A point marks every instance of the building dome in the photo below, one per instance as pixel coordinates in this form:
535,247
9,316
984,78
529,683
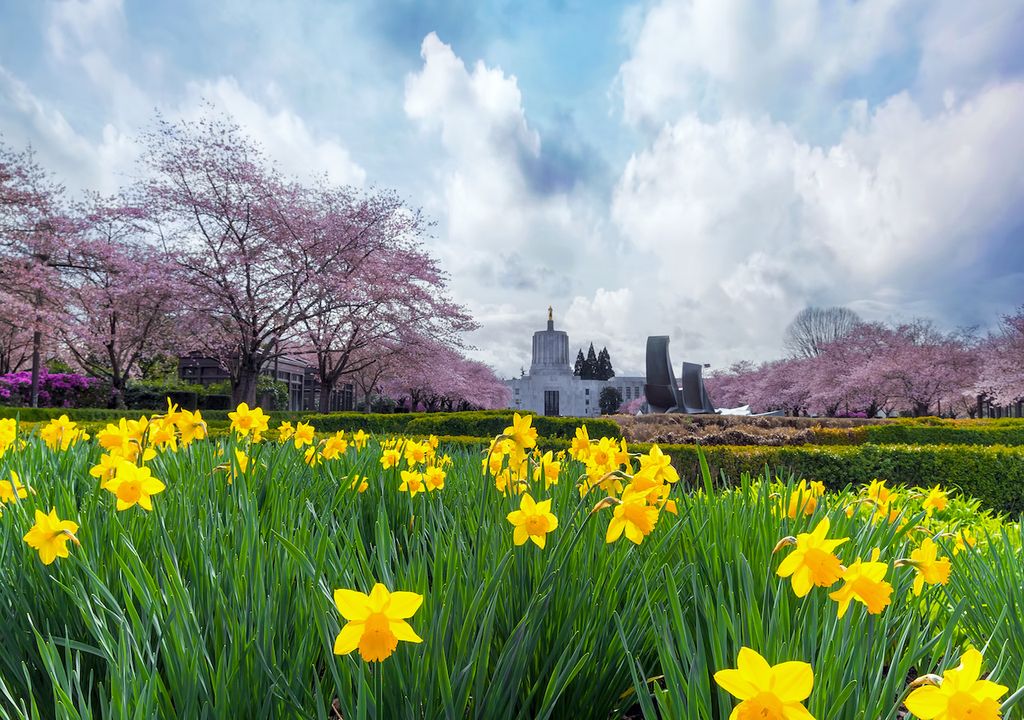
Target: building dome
550,350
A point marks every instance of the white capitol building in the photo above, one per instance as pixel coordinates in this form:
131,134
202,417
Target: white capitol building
550,388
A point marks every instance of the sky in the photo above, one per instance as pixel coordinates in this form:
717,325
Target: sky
697,168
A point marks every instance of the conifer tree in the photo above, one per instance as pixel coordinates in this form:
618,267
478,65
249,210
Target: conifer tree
580,364
590,365
604,366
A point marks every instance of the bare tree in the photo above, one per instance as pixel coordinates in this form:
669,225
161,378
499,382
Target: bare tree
813,328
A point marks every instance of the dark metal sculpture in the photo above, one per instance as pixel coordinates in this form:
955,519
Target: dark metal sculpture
663,394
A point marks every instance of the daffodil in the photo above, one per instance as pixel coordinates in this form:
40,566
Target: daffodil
963,540
390,458
359,439
245,421
521,431
191,426
50,536
376,622
285,431
937,499
412,482
579,449
802,501
11,489
61,433
532,521
632,516
359,484
8,434
864,581
335,446
958,695
433,477
133,485
767,692
416,453
813,561
930,568
659,465
303,435
548,468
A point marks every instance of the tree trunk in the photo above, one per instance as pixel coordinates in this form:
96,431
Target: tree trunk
325,397
37,342
244,388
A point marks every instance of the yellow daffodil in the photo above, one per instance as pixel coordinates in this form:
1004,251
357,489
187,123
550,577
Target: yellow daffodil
548,468
303,435
390,458
359,484
285,431
8,434
958,695
133,485
412,482
813,561
191,426
864,581
311,456
376,622
801,501
767,692
50,536
633,516
359,439
521,431
930,568
416,453
106,467
335,446
245,421
580,447
433,477
937,500
11,489
659,465
963,540
61,433
532,521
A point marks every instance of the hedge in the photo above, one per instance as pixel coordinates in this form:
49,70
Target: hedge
480,424
992,474
977,433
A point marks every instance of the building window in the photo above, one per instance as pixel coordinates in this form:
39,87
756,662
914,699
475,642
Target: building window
517,391
588,391
629,393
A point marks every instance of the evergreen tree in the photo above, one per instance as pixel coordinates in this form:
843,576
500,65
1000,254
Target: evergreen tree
610,400
590,365
580,364
604,366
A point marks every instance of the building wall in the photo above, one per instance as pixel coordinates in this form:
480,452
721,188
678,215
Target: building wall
576,397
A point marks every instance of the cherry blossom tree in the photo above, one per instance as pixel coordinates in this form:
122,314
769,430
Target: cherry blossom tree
435,377
397,291
1002,371
122,294
33,246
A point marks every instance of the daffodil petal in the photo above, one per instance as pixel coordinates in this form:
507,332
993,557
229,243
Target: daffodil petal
927,702
733,682
403,631
352,604
348,638
792,681
404,605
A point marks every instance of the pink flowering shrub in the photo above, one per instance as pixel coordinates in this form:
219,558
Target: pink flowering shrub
55,389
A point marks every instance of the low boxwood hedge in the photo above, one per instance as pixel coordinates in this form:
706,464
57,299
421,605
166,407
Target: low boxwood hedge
992,474
976,433
483,423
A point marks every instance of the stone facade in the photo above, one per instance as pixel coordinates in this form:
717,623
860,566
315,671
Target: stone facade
550,388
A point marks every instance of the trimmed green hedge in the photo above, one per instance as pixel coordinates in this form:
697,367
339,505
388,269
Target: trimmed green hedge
977,433
479,424
992,474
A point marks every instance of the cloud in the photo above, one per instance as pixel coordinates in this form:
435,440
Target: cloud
749,223
736,55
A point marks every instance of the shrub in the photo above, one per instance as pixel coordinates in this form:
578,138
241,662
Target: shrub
55,389
481,424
